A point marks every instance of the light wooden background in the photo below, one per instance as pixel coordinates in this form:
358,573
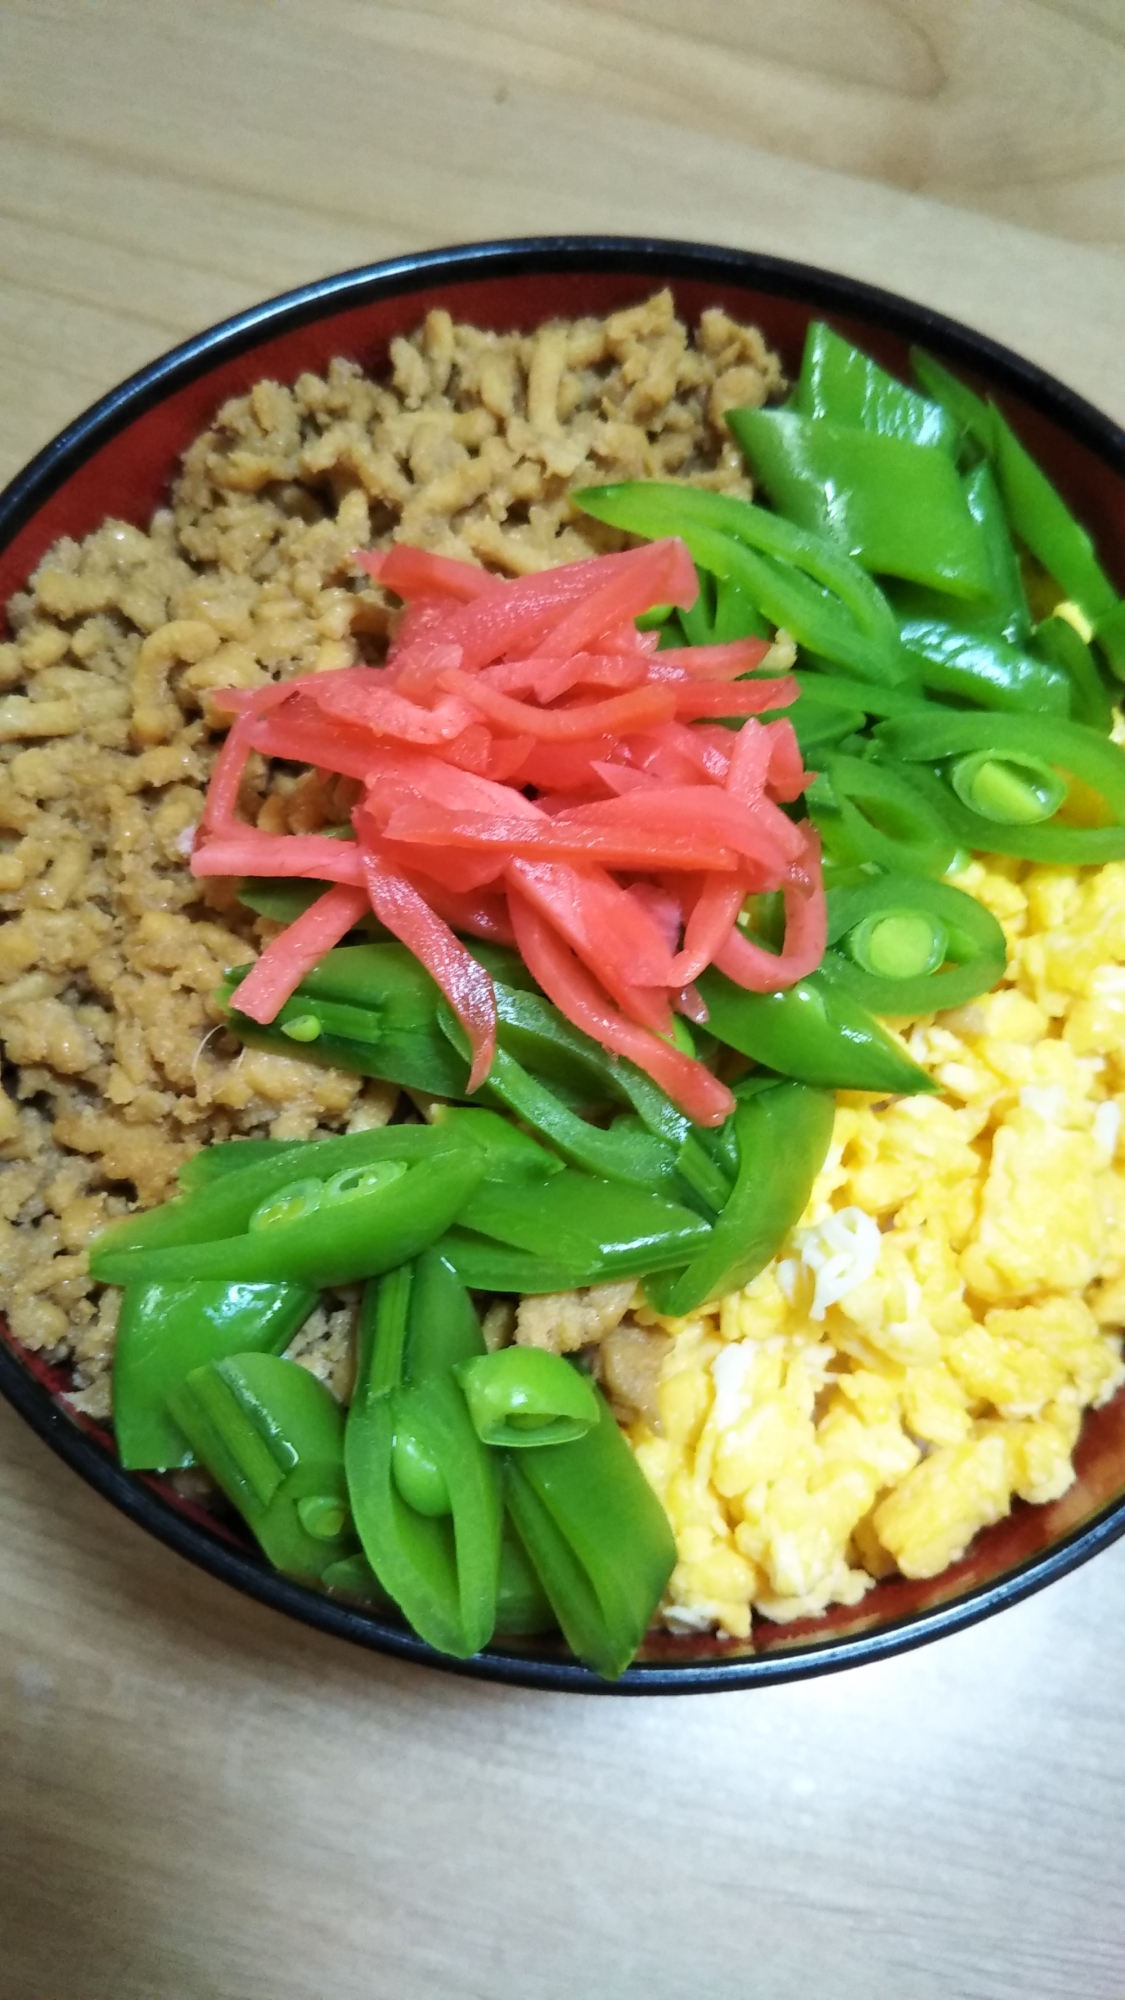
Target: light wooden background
199,1801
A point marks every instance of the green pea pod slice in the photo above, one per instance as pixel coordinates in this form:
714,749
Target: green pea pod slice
1042,519
812,1032
649,507
1067,746
895,507
985,669
223,1205
1090,700
783,1134
909,831
485,1265
612,1228
976,945
334,1245
442,1570
272,1436
840,382
525,1398
164,1332
968,410
522,1605
1007,598
597,1537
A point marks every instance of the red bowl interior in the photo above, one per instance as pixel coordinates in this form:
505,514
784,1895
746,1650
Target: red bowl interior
128,475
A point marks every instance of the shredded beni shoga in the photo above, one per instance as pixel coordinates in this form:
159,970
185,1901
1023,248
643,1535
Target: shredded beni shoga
533,771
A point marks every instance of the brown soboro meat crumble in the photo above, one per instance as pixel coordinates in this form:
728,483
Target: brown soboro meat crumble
116,1066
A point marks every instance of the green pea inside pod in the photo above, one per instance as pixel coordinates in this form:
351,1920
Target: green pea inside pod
898,944
1013,789
292,1203
417,1474
523,1396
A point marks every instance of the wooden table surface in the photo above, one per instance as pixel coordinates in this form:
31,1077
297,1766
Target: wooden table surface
198,1800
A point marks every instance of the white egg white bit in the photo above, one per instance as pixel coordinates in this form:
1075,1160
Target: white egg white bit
689,1618
1048,1101
841,1252
729,1370
1107,1127
185,841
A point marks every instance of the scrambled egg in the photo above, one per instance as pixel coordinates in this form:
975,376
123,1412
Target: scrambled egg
922,1348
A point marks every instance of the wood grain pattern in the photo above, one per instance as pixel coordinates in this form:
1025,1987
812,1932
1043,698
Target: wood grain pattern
197,1800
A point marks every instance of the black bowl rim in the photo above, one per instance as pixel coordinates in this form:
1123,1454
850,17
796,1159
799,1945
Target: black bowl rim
827,291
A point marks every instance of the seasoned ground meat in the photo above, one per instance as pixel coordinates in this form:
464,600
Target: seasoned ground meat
117,1067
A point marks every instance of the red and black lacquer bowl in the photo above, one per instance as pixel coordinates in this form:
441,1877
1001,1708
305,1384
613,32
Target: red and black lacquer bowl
119,459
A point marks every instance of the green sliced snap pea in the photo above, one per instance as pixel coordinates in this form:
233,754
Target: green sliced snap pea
798,580
334,1243
895,507
164,1332
967,409
409,1440
272,1436
985,669
1006,599
484,1265
597,1537
868,811
1057,639
1065,746
522,1605
664,508
1015,790
840,382
1042,519
783,1134
525,1398
606,1228
812,1032
974,944
223,1205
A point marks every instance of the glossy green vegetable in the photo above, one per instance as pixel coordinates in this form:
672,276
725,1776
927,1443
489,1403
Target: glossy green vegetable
603,1229
898,944
272,1436
974,944
222,1202
1006,600
1057,640
376,1013
985,669
424,1490
812,1032
332,1242
868,811
967,409
1035,509
839,382
1041,519
164,1332
524,1397
1016,790
522,1604
485,1265
800,580
1064,746
897,508
597,1537
782,1134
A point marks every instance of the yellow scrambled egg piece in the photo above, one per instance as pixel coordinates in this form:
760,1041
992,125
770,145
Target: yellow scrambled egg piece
922,1348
